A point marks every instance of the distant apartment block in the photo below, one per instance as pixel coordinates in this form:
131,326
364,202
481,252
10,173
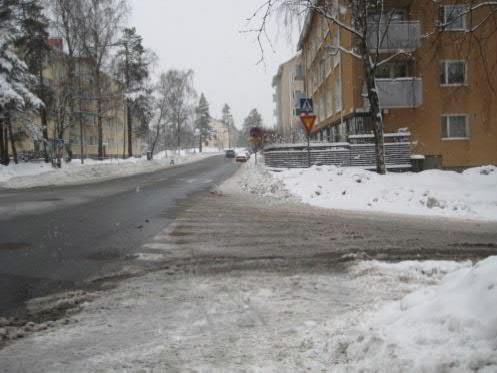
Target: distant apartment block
288,86
80,127
220,136
443,88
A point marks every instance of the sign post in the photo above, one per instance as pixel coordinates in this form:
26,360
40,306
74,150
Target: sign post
308,121
256,139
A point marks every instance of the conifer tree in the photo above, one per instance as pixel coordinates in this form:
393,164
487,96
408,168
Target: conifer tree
203,119
16,82
133,69
33,46
228,122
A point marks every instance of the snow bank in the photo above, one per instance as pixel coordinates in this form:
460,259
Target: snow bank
471,194
28,175
451,326
256,179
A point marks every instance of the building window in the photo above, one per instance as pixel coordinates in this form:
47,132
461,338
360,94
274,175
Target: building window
330,101
336,43
453,72
453,17
338,96
324,111
455,126
388,16
322,68
392,70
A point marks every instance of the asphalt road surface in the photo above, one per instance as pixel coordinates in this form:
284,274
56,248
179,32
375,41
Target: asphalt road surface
53,239
238,282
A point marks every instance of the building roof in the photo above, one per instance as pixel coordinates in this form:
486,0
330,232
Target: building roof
282,66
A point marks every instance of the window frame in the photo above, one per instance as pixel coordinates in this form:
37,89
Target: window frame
447,27
450,115
338,96
445,70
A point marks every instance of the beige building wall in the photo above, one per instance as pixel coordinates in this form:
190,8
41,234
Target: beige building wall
288,86
114,125
219,137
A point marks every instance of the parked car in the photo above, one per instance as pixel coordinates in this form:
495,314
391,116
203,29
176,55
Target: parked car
242,157
230,153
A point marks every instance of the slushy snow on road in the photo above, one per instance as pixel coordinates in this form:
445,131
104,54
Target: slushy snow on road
420,316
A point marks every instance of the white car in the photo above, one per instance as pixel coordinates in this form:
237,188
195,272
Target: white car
242,156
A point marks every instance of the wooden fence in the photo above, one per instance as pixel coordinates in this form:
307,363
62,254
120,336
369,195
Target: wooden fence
359,151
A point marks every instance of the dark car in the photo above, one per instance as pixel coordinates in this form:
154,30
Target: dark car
230,153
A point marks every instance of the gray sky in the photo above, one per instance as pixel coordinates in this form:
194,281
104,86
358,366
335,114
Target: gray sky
204,36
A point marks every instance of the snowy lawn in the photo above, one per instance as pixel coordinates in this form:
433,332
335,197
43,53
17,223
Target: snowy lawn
431,316
28,175
471,194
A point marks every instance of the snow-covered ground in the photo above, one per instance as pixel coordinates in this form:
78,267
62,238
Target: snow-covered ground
28,175
448,327
374,317
471,194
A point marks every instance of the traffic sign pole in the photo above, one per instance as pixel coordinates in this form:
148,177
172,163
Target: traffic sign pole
308,150
308,121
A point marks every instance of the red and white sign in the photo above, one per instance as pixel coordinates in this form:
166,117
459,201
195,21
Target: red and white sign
308,121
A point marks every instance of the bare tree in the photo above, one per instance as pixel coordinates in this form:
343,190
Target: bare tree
161,119
180,100
99,24
67,105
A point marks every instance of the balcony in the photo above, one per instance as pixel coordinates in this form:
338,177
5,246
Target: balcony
400,92
394,36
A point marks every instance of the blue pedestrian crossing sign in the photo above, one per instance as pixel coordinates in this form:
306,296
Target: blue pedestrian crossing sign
306,105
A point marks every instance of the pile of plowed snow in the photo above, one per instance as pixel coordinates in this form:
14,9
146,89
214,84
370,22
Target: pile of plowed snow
470,194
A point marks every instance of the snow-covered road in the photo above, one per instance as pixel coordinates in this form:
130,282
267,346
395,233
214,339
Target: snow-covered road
240,282
255,321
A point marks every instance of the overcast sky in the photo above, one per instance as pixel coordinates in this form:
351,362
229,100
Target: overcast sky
205,36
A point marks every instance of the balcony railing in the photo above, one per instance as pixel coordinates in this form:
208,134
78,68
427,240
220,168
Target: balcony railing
394,36
400,92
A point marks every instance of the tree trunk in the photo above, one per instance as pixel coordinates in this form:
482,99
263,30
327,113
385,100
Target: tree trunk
6,155
130,128
179,138
165,140
43,115
99,115
374,110
44,131
2,144
124,139
12,140
200,143
155,141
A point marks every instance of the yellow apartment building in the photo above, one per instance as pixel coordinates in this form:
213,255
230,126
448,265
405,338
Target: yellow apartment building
443,89
114,115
